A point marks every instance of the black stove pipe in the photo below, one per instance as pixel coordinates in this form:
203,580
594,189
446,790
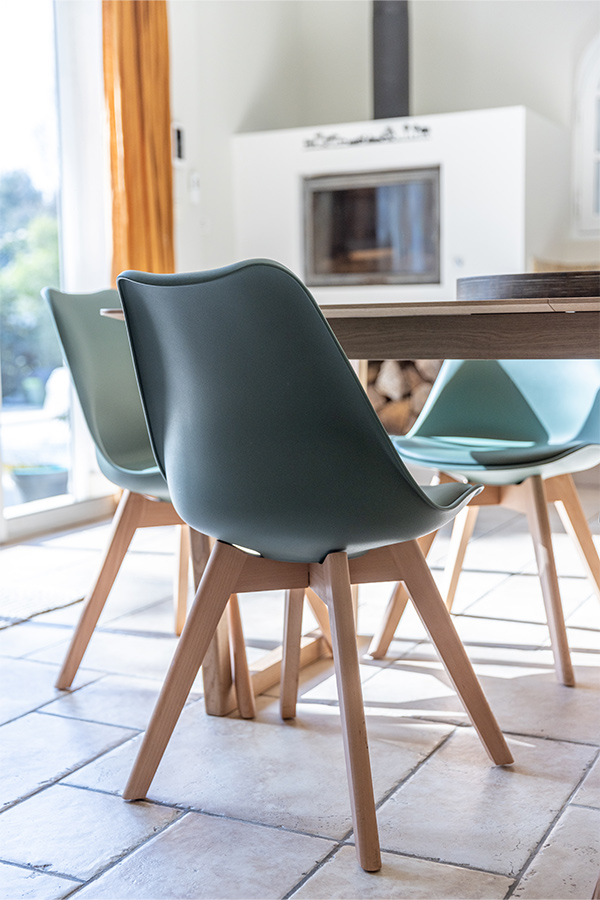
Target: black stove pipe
390,59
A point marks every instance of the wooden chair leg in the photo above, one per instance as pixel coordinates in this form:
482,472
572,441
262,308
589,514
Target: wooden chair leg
217,673
217,584
321,615
241,671
439,625
290,667
462,530
395,608
539,525
332,581
124,524
180,582
563,492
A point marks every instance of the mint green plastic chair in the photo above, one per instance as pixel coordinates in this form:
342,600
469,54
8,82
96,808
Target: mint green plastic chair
522,428
268,442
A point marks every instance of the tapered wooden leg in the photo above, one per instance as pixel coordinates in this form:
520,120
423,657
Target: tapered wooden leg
438,622
563,492
321,615
124,524
395,608
241,672
217,674
290,668
539,525
180,582
462,530
218,583
331,580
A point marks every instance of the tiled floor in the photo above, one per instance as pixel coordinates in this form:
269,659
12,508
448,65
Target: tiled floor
259,809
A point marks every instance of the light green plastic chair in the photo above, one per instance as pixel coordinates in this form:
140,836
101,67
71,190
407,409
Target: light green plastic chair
522,428
268,442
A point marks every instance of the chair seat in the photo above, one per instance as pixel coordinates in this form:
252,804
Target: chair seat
144,480
497,461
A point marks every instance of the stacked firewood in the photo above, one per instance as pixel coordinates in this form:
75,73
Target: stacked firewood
398,390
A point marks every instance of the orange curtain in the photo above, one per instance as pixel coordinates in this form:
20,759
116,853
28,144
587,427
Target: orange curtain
136,86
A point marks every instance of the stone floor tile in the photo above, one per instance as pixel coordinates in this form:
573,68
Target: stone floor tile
341,878
509,549
38,749
27,637
114,700
481,631
325,691
143,579
589,792
121,654
585,639
568,864
28,685
519,599
568,560
524,699
540,658
289,774
58,830
414,689
472,813
24,884
587,615
209,858
477,630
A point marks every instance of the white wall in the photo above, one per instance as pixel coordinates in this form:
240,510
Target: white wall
473,54
234,67
253,65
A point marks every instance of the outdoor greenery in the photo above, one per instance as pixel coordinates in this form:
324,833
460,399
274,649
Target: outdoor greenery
28,261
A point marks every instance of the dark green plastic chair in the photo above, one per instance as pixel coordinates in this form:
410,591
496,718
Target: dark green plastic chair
521,427
268,442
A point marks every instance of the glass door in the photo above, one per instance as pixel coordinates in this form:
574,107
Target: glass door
35,442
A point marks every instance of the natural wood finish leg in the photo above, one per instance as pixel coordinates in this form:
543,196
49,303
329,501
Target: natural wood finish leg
217,673
395,608
180,582
439,625
563,492
290,668
332,582
241,672
218,583
124,524
462,530
539,525
321,614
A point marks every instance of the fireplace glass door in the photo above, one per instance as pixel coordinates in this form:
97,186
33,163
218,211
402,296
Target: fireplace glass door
373,228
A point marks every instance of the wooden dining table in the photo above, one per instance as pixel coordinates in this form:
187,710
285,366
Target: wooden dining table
524,316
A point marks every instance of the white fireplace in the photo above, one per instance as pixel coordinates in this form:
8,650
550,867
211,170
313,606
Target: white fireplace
401,208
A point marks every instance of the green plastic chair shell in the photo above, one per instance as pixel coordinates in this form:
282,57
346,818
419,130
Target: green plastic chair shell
96,352
501,421
258,422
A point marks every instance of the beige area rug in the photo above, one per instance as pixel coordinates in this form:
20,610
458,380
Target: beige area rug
34,580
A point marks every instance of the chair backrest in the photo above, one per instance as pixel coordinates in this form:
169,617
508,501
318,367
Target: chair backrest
258,422
544,400
96,352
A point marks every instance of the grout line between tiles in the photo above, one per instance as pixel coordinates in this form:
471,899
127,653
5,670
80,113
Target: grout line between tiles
540,844
42,871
